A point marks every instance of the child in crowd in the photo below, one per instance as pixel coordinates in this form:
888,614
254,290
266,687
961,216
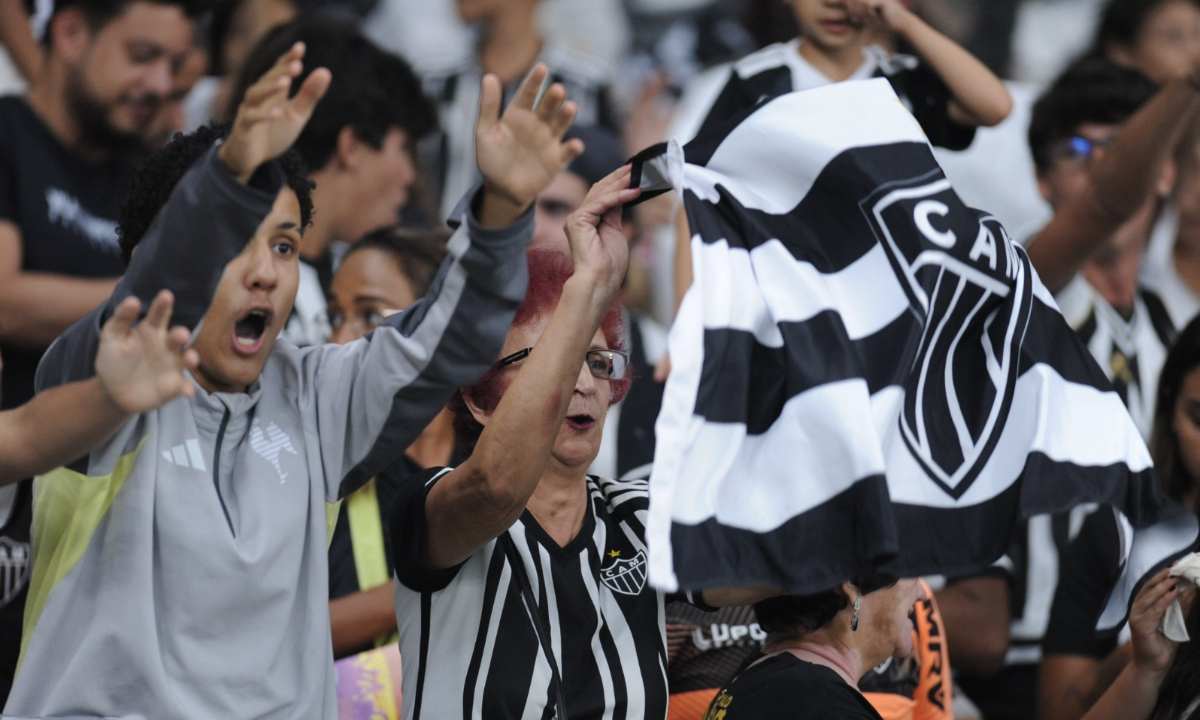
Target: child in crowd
948,90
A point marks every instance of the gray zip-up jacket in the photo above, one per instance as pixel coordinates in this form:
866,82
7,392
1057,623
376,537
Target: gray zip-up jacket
180,570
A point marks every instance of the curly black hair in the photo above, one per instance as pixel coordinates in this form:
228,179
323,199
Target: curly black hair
158,174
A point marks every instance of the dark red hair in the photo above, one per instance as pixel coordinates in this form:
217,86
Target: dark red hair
549,271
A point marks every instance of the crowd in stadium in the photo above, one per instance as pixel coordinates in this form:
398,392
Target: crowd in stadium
294,294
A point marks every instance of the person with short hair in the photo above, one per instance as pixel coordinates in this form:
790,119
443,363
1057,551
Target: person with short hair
1101,138
818,646
181,567
67,154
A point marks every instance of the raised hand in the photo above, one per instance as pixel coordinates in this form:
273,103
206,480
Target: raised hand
1152,650
599,247
268,121
890,14
141,367
520,151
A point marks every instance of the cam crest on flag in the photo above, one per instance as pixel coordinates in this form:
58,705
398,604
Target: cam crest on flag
868,375
955,267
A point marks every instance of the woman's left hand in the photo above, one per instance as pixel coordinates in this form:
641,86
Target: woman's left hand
598,244
1152,651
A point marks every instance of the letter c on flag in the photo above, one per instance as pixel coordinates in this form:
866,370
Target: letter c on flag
921,213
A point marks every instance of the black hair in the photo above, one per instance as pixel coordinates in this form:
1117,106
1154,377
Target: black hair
1093,90
372,90
795,615
1122,21
98,13
791,615
1182,359
419,254
158,175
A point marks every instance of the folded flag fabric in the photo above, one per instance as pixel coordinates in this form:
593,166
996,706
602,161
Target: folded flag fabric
867,375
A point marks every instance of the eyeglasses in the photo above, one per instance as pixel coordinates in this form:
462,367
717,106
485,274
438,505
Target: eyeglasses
1078,148
363,321
602,364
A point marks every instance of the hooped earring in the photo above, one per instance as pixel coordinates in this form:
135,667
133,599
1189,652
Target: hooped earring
854,618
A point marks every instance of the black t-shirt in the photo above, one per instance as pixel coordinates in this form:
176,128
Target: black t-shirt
65,209
784,687
16,561
1088,571
343,572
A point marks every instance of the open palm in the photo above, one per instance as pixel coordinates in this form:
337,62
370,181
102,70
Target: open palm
520,151
141,366
268,121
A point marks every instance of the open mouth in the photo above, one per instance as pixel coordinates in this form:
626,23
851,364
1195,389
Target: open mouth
580,422
250,331
837,27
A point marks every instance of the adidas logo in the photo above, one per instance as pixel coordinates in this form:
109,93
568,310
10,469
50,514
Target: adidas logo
269,444
186,454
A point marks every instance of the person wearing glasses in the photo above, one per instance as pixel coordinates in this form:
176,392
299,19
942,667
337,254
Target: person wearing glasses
1101,137
521,581
381,275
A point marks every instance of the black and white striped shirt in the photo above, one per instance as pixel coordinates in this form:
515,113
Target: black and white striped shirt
470,648
780,69
1131,351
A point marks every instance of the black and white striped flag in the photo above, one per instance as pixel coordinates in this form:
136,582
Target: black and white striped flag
867,374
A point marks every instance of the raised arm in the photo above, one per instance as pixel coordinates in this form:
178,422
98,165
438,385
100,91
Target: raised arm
479,500
382,390
208,218
138,368
1119,183
1133,694
16,36
977,95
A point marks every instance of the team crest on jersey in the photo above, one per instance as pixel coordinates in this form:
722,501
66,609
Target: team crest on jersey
624,575
14,568
970,288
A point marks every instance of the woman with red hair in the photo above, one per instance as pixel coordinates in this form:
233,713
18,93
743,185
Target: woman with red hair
521,581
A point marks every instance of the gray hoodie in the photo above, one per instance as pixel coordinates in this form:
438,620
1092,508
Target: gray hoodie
180,569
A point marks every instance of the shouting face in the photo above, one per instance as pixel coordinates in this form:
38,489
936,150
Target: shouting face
252,302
